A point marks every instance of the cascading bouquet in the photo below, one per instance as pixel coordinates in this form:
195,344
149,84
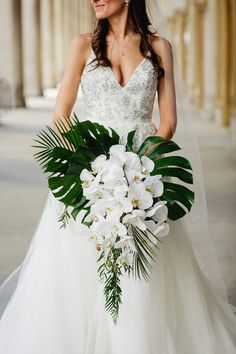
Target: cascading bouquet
125,197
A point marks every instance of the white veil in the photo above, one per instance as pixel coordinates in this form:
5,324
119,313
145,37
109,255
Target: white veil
196,221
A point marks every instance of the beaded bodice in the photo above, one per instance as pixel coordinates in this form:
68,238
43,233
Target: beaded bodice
122,108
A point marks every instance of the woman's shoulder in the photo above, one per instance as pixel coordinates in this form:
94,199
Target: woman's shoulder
161,46
80,47
82,39
160,43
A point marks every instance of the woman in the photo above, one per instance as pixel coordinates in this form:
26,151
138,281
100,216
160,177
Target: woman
58,306
121,38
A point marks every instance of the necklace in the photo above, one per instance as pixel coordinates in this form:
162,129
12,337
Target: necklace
122,51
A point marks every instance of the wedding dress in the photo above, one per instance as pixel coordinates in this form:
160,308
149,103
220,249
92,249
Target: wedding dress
58,304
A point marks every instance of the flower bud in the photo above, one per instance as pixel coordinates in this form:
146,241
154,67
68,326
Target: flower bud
98,247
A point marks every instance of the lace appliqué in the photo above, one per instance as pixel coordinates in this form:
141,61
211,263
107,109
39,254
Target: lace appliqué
121,108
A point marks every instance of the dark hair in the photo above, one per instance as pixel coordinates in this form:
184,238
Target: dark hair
141,24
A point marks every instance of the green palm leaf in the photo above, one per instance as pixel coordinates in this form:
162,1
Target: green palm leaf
65,155
145,253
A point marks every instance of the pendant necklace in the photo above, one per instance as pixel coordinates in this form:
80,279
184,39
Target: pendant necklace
122,51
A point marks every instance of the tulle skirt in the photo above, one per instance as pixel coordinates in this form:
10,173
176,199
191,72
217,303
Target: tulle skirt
58,304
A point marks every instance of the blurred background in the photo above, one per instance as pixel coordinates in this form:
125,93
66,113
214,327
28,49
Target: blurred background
34,39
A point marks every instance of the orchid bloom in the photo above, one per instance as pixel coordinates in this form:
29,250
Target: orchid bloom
140,197
154,185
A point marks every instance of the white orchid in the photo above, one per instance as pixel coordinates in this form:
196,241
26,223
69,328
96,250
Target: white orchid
160,229
140,197
95,192
106,244
118,153
133,161
159,214
147,165
107,233
118,187
98,163
92,187
122,204
158,211
133,168
126,242
126,258
128,250
154,185
106,228
136,219
111,171
87,178
111,208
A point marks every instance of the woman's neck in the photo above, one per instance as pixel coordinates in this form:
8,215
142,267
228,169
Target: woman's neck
120,26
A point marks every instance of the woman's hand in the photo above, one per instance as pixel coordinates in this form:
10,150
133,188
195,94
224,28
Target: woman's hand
160,132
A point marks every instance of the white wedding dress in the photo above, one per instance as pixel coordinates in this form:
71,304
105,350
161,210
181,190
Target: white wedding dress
58,304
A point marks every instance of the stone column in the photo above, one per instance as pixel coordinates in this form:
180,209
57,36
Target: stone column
209,59
58,52
10,47
233,66
223,63
70,22
198,54
180,30
31,47
47,40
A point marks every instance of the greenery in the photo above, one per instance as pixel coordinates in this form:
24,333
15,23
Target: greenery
64,156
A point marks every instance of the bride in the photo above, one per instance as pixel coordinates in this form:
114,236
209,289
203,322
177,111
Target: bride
58,304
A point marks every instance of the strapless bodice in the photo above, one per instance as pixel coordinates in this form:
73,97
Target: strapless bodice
122,108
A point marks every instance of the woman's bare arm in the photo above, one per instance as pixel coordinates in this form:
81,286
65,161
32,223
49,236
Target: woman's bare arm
166,91
69,86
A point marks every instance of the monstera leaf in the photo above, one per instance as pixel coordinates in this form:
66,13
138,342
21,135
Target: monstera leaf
179,198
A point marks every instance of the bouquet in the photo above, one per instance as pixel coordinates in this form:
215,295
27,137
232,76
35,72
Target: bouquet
126,197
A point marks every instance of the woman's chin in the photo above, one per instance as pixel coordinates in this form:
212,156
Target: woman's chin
100,17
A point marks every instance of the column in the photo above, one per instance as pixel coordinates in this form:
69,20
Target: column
58,52
223,63
233,66
198,54
70,22
10,47
47,40
180,31
31,47
209,59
